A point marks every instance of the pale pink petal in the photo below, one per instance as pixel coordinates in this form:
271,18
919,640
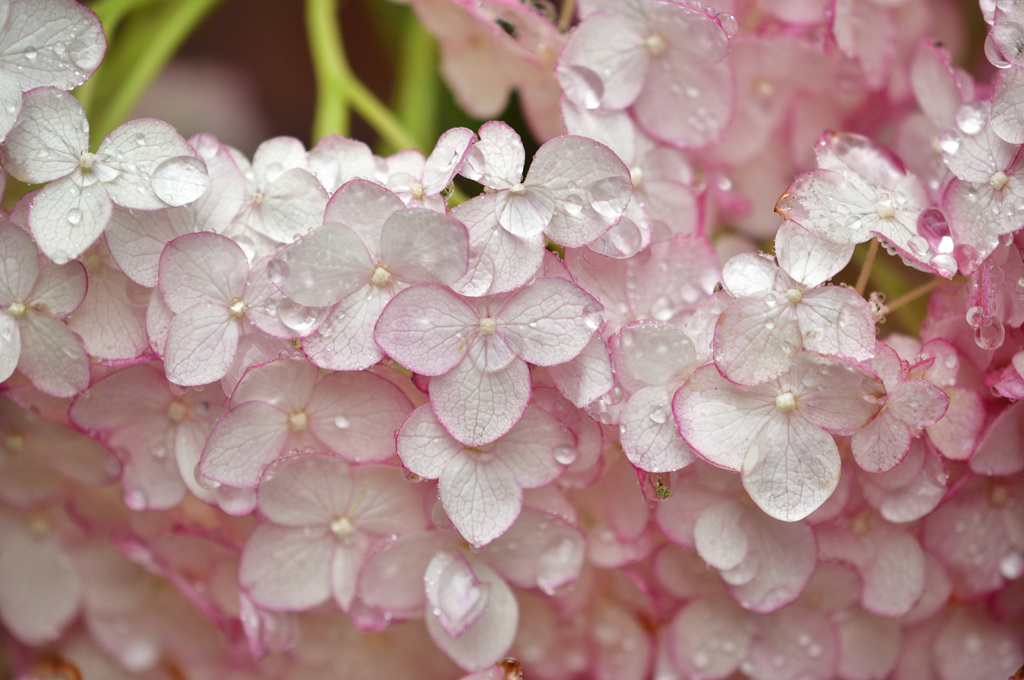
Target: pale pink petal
810,260
136,239
718,537
476,408
910,490
756,341
869,646
346,563
498,261
201,344
10,93
285,384
393,578
290,207
423,246
489,638
958,433
20,264
649,435
538,551
424,446
10,346
357,414
247,439
49,138
323,267
200,268
882,443
935,85
749,275
709,638
604,62
784,555
1001,450
111,324
305,491
790,468
844,398
654,353
425,328
71,33
802,638
835,320
385,503
496,160
66,217
52,357
550,322
535,448
286,569
480,495
1008,105
344,340
894,579
587,377
446,159
972,646
151,159
59,289
815,198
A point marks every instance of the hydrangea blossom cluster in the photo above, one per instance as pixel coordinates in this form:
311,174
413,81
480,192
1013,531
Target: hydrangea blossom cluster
307,415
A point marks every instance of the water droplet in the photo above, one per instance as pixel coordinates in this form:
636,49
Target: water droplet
949,142
975,317
140,139
609,196
990,334
592,315
180,180
298,318
31,54
74,216
701,660
971,117
815,651
341,421
565,455
573,205
944,264
659,415
918,245
582,85
86,52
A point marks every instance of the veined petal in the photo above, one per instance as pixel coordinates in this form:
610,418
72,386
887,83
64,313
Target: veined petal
480,495
834,395
202,268
19,263
51,42
344,340
136,151
549,322
201,344
749,275
423,246
532,448
49,138
137,238
324,267
245,440
285,384
476,408
809,259
496,160
52,357
604,62
649,435
10,346
426,329
305,491
756,339
837,321
59,289
67,217
446,159
285,568
791,467
424,446
290,207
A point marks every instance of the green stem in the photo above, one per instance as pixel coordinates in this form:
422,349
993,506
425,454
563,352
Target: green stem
331,116
328,54
148,43
417,90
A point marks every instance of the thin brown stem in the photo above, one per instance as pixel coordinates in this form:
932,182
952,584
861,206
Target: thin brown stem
907,298
865,270
566,14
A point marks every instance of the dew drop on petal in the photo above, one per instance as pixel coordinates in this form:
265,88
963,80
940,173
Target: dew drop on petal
592,315
341,421
659,415
86,52
573,205
701,660
31,54
944,264
606,196
949,141
74,216
298,318
180,180
975,317
1012,566
971,117
278,271
990,334
565,455
582,85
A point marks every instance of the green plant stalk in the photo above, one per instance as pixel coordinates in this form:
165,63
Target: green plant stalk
333,72
148,42
417,91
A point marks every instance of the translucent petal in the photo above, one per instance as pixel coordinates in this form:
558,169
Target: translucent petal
49,138
476,408
286,569
66,217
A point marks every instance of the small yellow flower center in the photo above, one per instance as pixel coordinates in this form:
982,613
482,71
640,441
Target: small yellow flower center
86,160
998,180
236,307
176,412
785,402
636,176
488,326
341,527
517,189
885,209
381,277
794,296
655,43
298,421
18,310
14,442
417,191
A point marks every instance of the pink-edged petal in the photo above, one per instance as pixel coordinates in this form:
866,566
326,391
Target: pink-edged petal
393,578
538,551
532,449
285,384
809,259
589,184
491,635
804,640
60,289
718,537
424,446
50,136
1008,106
790,468
835,320
756,341
476,408
323,267
881,444
423,246
587,377
346,563
66,217
604,62
344,340
708,408
111,324
957,434
425,328
498,261
40,589
709,638
815,198
649,435
385,503
446,159
148,155
655,353
749,275
52,357
290,207
480,495
201,268
784,555
51,42
286,569
136,239
911,489
10,93
1001,450
496,160
20,267
894,578
201,345
550,322
247,439
357,414
835,395
305,491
